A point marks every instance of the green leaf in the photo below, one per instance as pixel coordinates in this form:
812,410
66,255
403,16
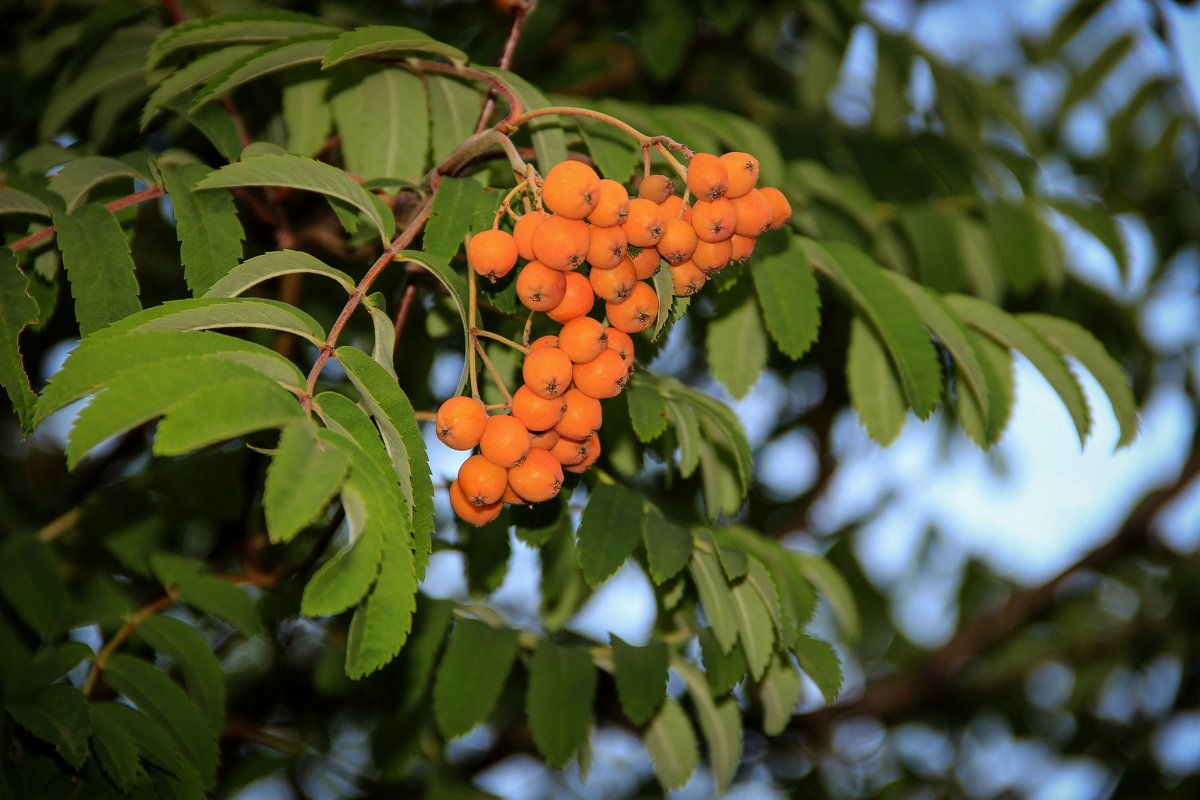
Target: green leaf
274,264
376,41
664,288
779,692
932,236
1017,234
724,670
776,574
672,746
56,714
13,201
153,742
297,172
1012,332
195,659
736,341
608,531
996,363
715,597
664,32
96,255
472,674
17,310
47,666
206,224
787,294
549,141
226,411
343,415
116,66
207,313
161,699
668,546
720,722
647,411
236,28
875,391
891,315
641,674
755,626
833,588
304,475
80,176
30,582
115,748
456,205
220,598
306,113
191,75
383,120
454,106
265,60
1099,223
381,624
562,685
616,155
384,346
820,662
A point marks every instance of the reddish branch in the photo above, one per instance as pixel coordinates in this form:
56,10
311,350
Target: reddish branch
149,193
520,14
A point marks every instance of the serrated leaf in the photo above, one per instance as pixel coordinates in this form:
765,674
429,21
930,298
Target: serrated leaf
1017,235
381,624
788,296
116,66
208,313
779,692
454,106
715,597
17,310
225,411
306,114
720,722
154,744
240,27
14,201
687,432
343,415
672,745
96,255
723,484
833,588
298,172
30,582
647,411
668,546
641,675
164,702
206,225
875,391
375,41
191,75
47,666
274,264
471,676
452,216
549,141
56,714
115,749
664,289
79,176
820,662
608,531
755,627
384,345
195,660
724,670
304,475
562,685
995,361
383,119
220,598
265,60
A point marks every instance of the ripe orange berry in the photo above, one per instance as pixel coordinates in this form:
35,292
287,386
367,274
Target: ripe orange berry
576,302
644,225
547,372
614,285
505,440
621,343
481,481
743,173
606,248
707,177
545,439
645,263
538,478
492,254
613,206
781,209
537,413
593,452
539,287
741,247
602,377
637,312
571,189
753,213
460,422
468,512
583,416
511,497
713,256
678,241
523,232
714,221
543,341
675,208
569,452
656,188
561,243
582,339
688,278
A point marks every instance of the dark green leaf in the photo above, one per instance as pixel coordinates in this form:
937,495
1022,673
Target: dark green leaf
96,255
454,106
17,310
206,224
194,658
304,475
56,714
47,666
472,673
237,28
608,531
641,674
787,293
153,742
376,41
13,201
664,288
755,627
715,597
821,663
562,684
265,60
995,360
274,264
833,588
220,598
206,313
191,75
306,113
1017,235
724,670
736,342
668,546
30,582
80,176
115,748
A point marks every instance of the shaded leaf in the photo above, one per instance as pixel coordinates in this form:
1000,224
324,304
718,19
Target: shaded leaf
208,313
225,411
471,676
30,582
736,341
263,61
641,675
115,749
715,597
875,391
96,255
724,670
79,176
374,41
191,75
562,685
549,141
779,692
304,475
787,294
381,624
454,106
672,746
206,224
647,411
821,663
383,121
235,28
194,658
608,531
56,714
17,310
14,201
668,545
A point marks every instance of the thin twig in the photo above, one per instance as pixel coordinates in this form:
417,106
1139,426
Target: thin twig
496,379
520,14
523,349
60,525
149,193
141,615
406,303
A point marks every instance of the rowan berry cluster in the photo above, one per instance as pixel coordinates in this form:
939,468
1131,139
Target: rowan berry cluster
584,219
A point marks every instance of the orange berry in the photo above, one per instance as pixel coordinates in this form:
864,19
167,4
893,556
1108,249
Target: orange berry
714,221
606,248
678,241
481,481
468,512
621,343
505,440
712,256
460,422
582,339
547,372
646,263
644,225
781,209
492,254
571,189
569,452
543,341
561,243
614,285
604,376
511,497
537,413
656,188
538,478
675,208
523,232
583,416
545,440
688,278
741,247
593,452
753,213
539,287
637,312
743,173
576,302
613,206
707,177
